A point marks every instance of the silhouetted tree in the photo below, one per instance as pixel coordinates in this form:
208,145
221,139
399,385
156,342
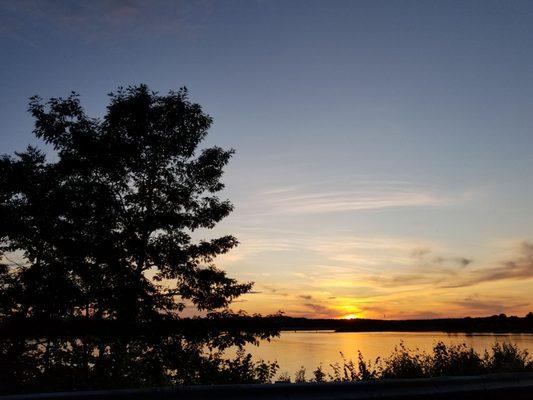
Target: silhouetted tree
98,256
103,230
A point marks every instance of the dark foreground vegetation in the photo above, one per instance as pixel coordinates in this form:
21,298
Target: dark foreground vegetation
93,362
86,354
405,363
88,363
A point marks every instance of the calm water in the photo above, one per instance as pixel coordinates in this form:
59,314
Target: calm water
309,349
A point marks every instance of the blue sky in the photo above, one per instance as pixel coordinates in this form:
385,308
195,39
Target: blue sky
383,147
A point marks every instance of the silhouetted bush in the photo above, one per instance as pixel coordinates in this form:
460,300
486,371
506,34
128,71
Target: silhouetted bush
455,360
284,377
319,374
299,377
507,357
405,363
444,360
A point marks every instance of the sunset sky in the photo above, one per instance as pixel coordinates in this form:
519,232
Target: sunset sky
384,149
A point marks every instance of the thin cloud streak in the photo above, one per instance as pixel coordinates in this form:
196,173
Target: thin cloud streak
382,195
520,267
452,273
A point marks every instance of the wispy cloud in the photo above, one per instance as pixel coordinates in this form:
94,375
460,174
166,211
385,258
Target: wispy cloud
476,305
358,253
364,197
519,267
320,310
449,272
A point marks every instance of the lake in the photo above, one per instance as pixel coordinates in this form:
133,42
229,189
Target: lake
311,348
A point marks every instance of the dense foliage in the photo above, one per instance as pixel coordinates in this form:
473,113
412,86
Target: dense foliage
83,363
111,217
106,228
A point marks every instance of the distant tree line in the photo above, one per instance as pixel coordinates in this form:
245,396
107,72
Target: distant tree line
495,323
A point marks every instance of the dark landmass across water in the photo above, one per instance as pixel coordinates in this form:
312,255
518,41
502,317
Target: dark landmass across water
495,323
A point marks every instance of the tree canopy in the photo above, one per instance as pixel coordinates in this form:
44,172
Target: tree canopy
102,227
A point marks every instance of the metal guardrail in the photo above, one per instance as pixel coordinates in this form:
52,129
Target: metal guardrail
486,387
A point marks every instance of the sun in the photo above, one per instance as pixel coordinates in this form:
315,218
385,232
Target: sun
350,316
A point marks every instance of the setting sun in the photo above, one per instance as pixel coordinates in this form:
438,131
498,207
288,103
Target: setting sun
350,316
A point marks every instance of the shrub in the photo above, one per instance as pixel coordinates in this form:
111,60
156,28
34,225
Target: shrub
507,357
405,363
444,360
300,375
284,377
454,360
319,374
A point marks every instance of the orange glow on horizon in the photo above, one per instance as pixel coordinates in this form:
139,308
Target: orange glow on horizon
350,316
